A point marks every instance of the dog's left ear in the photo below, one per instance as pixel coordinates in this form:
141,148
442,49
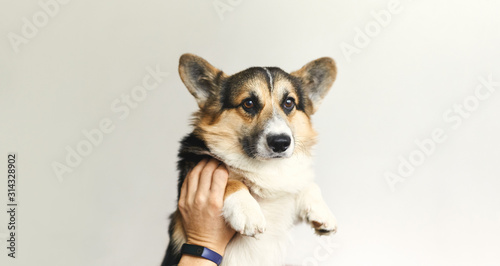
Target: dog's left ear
317,78
201,78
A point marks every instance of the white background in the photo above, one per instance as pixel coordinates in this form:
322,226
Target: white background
112,208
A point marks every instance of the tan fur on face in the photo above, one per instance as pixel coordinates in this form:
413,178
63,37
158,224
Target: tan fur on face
224,129
257,85
304,134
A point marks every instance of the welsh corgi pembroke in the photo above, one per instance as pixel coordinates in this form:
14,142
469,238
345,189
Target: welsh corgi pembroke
258,123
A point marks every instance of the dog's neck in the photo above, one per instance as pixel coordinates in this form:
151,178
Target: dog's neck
266,178
274,177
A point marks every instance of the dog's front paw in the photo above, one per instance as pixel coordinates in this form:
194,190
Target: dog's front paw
321,219
243,214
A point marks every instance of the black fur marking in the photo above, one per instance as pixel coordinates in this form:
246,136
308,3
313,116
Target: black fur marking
248,146
191,152
323,231
249,142
285,98
297,86
233,86
296,83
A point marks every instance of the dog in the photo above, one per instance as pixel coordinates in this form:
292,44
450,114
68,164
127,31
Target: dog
258,123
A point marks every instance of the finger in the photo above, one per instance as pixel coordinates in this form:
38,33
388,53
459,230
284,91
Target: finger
183,192
206,177
185,181
193,178
219,181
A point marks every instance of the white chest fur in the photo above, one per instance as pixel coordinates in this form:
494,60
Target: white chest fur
276,185
273,178
268,248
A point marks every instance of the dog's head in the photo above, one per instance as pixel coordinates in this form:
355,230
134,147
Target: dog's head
259,113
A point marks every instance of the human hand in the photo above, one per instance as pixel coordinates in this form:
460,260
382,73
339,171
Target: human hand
200,204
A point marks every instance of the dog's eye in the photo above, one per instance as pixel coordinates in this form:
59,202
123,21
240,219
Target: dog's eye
288,104
248,104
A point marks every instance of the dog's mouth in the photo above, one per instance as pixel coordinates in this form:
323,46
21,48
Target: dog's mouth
272,157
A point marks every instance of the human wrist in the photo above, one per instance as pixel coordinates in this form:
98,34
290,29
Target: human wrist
210,245
190,260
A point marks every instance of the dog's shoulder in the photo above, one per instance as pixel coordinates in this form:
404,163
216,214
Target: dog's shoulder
192,150
192,145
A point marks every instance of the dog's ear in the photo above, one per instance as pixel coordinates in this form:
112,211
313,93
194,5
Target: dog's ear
317,78
201,78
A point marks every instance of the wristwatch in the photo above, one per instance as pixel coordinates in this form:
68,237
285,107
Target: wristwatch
203,252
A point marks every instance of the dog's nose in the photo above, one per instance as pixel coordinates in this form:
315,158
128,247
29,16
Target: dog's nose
278,143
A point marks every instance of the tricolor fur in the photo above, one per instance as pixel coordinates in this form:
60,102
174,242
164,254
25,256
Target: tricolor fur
258,123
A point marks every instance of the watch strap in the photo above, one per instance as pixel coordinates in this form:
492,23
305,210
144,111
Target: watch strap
203,252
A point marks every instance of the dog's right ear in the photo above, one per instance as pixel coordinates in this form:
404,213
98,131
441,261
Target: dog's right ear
201,78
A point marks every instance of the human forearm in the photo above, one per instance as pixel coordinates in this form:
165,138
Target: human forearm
188,260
